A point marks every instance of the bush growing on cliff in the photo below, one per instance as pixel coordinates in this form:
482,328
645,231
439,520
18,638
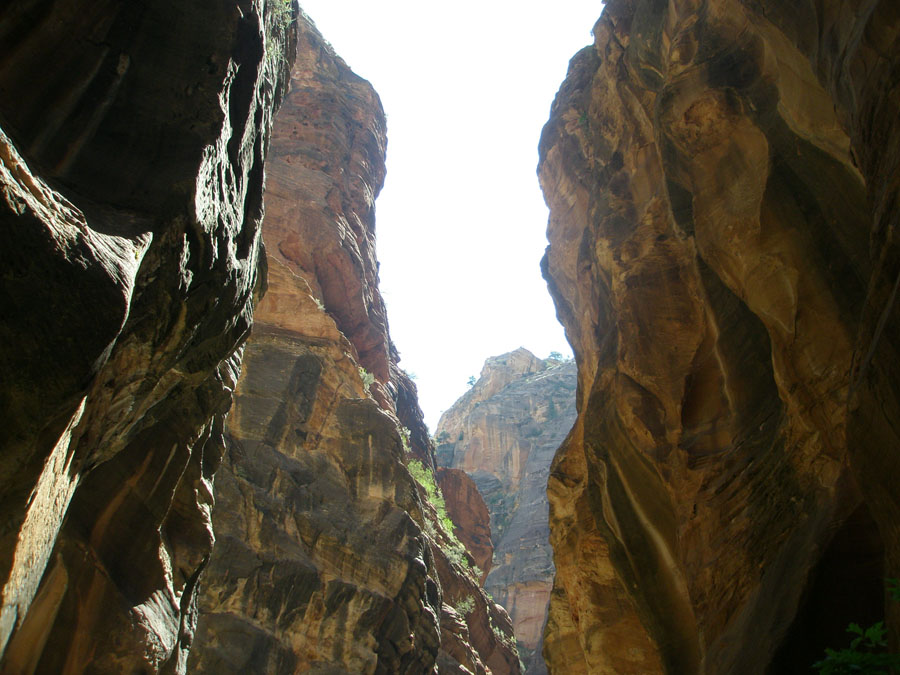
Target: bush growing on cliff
465,606
456,553
368,379
867,653
404,439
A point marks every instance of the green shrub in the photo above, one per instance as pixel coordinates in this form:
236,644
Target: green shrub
368,379
867,653
465,606
404,438
456,553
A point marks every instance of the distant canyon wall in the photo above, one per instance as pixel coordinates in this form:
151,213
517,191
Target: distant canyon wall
503,433
723,179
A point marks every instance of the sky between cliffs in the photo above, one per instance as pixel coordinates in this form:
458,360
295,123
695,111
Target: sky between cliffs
461,222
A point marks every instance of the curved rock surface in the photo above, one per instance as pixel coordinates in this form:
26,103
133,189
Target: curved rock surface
329,558
131,162
504,432
723,180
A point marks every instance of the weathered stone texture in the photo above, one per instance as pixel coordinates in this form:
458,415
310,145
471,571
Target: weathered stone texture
132,180
329,560
504,433
722,177
470,515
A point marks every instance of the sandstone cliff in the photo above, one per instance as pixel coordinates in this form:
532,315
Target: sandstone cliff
503,433
131,162
330,556
723,180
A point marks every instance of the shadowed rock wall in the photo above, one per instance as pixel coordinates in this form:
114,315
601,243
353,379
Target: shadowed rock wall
722,178
131,160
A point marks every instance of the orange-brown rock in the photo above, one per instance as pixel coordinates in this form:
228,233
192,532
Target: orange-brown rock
469,513
328,556
504,433
722,178
131,163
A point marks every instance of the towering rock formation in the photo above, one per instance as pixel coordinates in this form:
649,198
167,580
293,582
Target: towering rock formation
723,183
329,558
131,163
503,433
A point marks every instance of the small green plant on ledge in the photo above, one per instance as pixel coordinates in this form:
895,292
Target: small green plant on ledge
867,653
456,553
282,10
404,439
508,640
368,379
465,606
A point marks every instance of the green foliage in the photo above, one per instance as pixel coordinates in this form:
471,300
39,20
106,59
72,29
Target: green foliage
867,653
456,552
280,15
442,437
282,10
471,381
368,379
508,640
555,356
465,606
404,438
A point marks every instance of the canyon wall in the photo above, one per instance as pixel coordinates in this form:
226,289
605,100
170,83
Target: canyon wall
503,433
329,556
723,178
131,161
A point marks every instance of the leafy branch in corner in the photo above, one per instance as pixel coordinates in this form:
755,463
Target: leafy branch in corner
867,653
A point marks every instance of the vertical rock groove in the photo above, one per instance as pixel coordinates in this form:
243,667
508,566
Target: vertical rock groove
722,180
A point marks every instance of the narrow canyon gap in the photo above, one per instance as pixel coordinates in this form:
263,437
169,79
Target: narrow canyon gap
723,182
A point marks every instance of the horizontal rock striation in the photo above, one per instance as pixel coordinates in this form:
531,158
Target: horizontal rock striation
329,558
131,162
722,177
504,433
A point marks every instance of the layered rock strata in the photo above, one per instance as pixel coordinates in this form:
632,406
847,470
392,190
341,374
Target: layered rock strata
723,179
131,162
329,558
503,433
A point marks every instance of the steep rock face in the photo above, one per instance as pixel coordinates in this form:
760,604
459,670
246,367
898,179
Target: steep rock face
722,178
504,433
328,558
132,168
469,514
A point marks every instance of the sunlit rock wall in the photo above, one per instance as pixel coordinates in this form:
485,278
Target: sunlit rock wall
131,160
722,178
504,433
328,558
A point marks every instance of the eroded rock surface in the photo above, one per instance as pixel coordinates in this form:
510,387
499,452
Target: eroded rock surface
328,557
503,433
131,163
722,178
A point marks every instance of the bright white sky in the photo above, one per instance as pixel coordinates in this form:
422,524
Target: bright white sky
461,222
